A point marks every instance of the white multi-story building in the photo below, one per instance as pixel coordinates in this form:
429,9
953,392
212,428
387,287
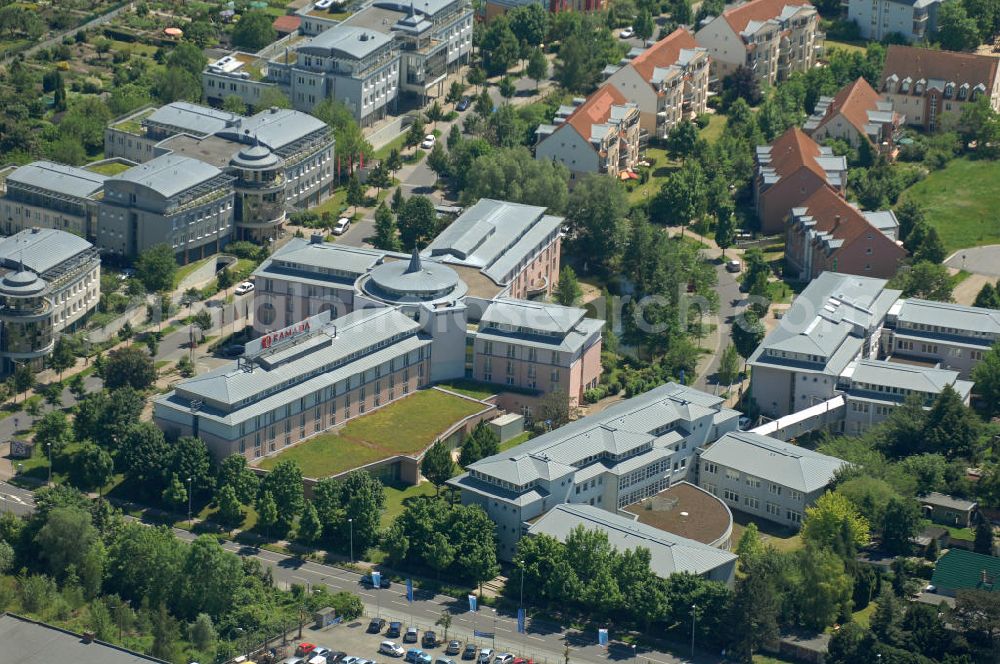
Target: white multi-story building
44,194
914,20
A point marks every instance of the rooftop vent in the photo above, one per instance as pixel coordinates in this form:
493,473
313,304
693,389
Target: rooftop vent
274,109
364,36
315,238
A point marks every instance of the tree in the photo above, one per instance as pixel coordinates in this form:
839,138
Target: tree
438,161
386,237
481,443
189,57
750,544
310,527
682,139
956,30
62,356
143,457
512,174
886,621
166,634
577,68
415,133
230,509
930,248
128,366
355,194
725,232
156,268
755,607
284,484
53,429
827,520
64,539
729,365
175,494
986,375
417,222
272,97
434,113
951,428
24,378
234,104
363,499
499,47
683,198
203,321
175,84
454,137
900,523
267,512
455,92
538,66
988,297
397,200
91,467
444,620
192,462
394,162
254,31
924,280
743,84
379,178
823,588
596,215
507,88
984,537
644,25
201,633
437,465
568,290
977,616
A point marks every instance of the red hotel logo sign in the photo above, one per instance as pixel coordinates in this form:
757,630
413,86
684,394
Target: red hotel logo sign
287,333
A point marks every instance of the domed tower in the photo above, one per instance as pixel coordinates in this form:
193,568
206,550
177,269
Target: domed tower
260,193
26,317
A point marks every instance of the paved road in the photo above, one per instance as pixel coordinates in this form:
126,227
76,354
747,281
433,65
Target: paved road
980,260
730,299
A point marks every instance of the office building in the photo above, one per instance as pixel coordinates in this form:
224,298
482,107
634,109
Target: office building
44,194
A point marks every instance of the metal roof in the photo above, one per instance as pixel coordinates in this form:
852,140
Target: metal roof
549,318
192,118
669,553
964,570
40,249
29,642
570,342
279,127
169,174
773,460
347,41
324,256
67,180
946,314
942,500
415,277
903,376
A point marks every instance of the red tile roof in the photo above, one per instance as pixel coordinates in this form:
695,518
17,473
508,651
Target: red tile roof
853,102
794,150
836,216
287,24
758,10
918,63
663,53
596,110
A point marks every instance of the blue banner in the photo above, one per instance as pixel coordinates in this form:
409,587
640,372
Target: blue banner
483,635
520,621
473,604
409,590
376,579
602,637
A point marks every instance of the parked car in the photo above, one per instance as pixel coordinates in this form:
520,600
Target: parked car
454,648
335,656
342,226
376,625
304,649
411,635
234,350
733,265
395,629
444,660
243,288
319,650
428,141
504,658
522,660
418,656
485,656
384,583
627,33
350,659
744,423
316,659
463,104
430,640
469,652
292,660
392,649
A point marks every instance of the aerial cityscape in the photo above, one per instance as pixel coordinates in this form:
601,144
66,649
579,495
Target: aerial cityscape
500,331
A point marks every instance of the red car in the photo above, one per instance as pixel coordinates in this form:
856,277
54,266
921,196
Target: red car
304,649
521,660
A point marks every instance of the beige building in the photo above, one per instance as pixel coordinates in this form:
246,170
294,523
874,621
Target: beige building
774,38
597,135
932,87
856,113
668,81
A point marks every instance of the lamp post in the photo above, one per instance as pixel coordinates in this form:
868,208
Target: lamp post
494,629
351,523
48,447
189,498
694,617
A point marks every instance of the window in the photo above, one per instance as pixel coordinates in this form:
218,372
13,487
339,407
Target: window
775,489
793,516
772,509
753,482
751,502
731,496
710,467
732,474
794,495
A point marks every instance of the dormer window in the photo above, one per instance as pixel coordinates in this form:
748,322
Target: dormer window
904,87
918,89
963,92
949,90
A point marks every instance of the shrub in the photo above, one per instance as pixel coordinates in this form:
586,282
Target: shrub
703,120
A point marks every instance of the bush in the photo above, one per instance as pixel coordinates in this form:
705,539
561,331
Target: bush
703,120
595,394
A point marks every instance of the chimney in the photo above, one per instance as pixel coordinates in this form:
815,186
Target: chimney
836,221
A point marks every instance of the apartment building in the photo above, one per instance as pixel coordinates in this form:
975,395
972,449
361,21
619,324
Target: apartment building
773,38
789,171
44,194
765,477
878,387
668,81
496,8
943,334
596,135
632,450
856,113
835,321
174,200
828,234
914,20
49,283
932,87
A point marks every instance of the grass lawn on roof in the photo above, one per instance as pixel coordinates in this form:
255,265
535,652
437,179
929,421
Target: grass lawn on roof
406,426
961,201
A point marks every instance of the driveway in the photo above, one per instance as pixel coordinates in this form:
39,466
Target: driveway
978,260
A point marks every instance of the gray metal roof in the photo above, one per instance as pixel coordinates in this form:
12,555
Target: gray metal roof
946,501
549,318
40,249
277,128
67,180
426,7
669,553
28,642
570,342
323,256
774,460
415,277
169,175
947,314
347,41
192,118
903,376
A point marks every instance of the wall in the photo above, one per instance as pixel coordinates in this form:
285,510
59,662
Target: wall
628,82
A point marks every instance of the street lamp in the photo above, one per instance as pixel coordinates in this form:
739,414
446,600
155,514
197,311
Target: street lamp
48,447
694,607
494,629
351,523
189,499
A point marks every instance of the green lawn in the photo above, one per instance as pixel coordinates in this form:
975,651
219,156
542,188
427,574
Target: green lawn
184,270
396,497
110,168
404,427
660,170
961,201
844,46
965,534
334,205
715,127
515,441
470,388
783,539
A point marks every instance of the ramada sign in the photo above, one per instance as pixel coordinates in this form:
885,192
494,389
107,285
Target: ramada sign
286,334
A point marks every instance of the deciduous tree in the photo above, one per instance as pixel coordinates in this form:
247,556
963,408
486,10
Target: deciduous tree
437,465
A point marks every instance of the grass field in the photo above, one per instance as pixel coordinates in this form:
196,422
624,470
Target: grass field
110,168
783,539
515,441
961,201
184,270
404,427
396,497
470,388
715,127
844,46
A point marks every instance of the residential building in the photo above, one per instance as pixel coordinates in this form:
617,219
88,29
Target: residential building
942,334
44,194
174,200
959,569
596,135
765,477
630,451
914,20
789,171
931,87
31,642
496,8
876,388
669,553
855,114
951,511
773,38
668,81
828,234
49,283
835,321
